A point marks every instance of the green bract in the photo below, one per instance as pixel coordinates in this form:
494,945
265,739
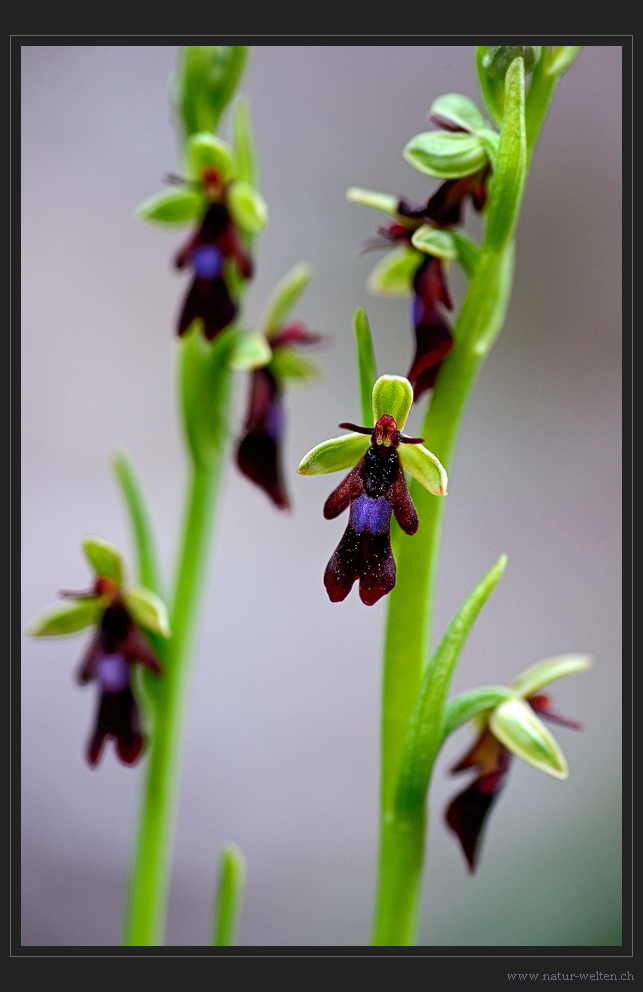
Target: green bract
147,610
248,207
105,559
385,202
334,455
549,670
516,726
171,206
393,274
243,142
283,298
458,110
434,241
446,154
66,617
392,395
423,465
204,83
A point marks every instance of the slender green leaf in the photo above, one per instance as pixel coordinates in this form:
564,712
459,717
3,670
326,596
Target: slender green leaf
334,455
425,733
66,617
511,164
284,297
392,395
366,365
148,569
229,897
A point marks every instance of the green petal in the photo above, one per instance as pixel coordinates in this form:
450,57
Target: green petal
446,154
393,274
207,151
433,241
392,395
544,672
284,297
66,617
515,725
424,467
290,363
459,110
147,610
252,351
172,206
105,558
385,202
248,207
333,455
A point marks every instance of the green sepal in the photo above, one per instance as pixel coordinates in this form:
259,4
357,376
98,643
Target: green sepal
172,207
562,58
446,154
248,207
366,366
511,164
147,610
243,143
229,897
334,455
385,202
205,81
434,241
467,705
515,725
493,90
251,351
393,274
544,672
392,395
67,617
284,297
497,58
425,734
289,363
491,140
458,110
207,151
468,252
105,559
425,468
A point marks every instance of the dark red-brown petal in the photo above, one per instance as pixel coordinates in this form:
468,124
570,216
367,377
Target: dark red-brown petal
210,300
346,492
259,451
444,208
542,705
117,718
87,670
399,497
136,650
366,557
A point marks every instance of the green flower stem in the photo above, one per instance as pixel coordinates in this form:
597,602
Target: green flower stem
145,918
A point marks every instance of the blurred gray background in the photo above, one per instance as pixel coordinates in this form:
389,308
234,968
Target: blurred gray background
281,741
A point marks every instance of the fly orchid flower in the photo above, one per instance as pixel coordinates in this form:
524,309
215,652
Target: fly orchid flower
375,489
118,615
227,209
259,451
512,728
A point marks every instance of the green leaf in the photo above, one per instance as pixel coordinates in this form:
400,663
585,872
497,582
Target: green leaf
563,57
149,572
334,455
425,734
227,906
392,395
207,151
206,380
468,252
493,90
365,364
468,705
147,610
251,351
172,207
290,363
248,207
66,617
446,154
511,164
284,297
544,672
206,78
385,202
243,143
434,241
393,274
458,110
515,725
105,559
423,465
